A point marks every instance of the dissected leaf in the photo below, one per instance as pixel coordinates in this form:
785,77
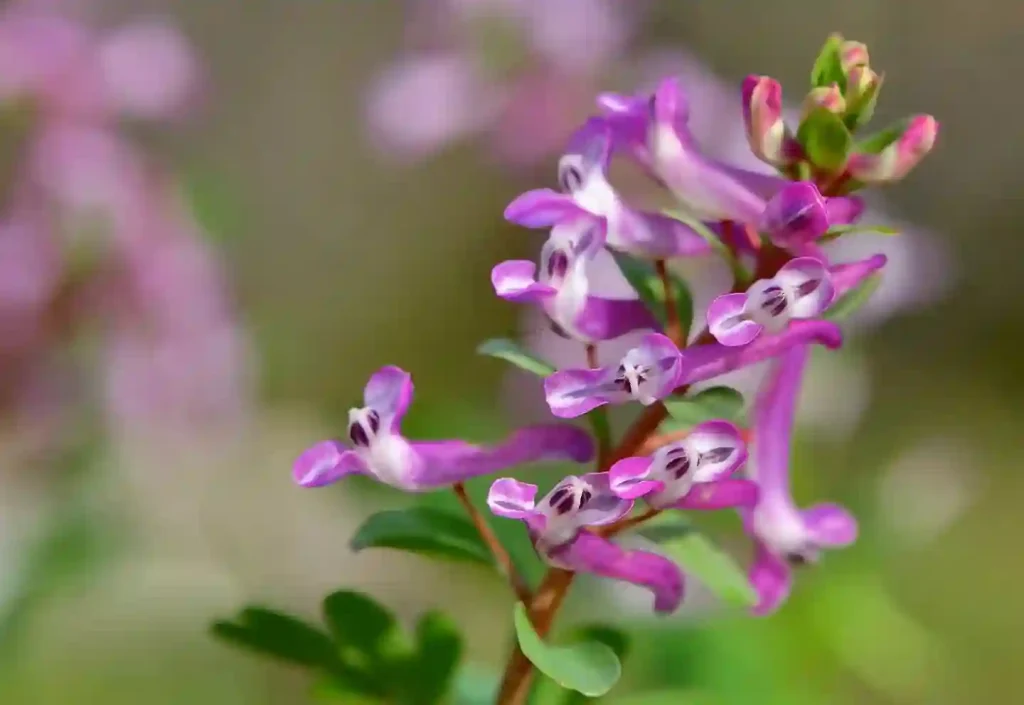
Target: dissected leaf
649,287
710,404
825,139
423,530
701,559
279,635
510,351
439,649
590,668
852,300
876,143
828,67
365,632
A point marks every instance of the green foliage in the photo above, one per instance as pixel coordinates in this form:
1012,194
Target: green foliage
590,668
852,300
649,287
701,559
710,404
825,139
840,230
860,111
614,639
510,351
362,654
877,142
828,67
424,530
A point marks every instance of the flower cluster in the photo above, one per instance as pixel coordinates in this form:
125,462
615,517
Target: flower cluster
96,237
786,298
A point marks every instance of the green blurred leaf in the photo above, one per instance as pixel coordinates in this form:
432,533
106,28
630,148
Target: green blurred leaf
615,639
510,351
840,230
423,530
852,300
825,139
700,558
213,204
648,285
712,403
365,632
279,635
860,111
439,649
475,685
876,143
668,697
590,668
828,67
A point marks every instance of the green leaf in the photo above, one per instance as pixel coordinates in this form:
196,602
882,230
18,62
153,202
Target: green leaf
439,649
614,639
278,635
860,111
840,230
712,403
825,139
648,285
510,351
423,530
365,632
475,685
876,143
853,299
828,67
700,558
590,668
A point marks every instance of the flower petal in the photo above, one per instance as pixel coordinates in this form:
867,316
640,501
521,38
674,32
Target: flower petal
830,525
604,507
325,463
542,208
726,322
511,498
572,393
796,215
720,494
849,275
665,356
447,462
591,144
514,280
772,579
718,448
655,235
607,319
389,393
589,553
844,210
774,411
808,283
630,478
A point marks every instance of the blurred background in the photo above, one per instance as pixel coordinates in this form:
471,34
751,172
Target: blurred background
220,217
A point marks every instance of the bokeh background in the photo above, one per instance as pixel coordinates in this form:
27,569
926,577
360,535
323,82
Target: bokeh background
312,212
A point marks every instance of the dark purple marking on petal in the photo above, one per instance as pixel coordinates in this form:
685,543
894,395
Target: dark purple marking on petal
358,435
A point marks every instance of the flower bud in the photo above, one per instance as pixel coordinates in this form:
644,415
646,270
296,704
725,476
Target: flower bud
796,215
828,97
896,159
862,86
762,115
852,55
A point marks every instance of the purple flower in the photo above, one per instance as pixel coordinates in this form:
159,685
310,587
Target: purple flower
582,176
796,215
562,288
557,526
646,373
849,275
694,473
899,158
785,536
378,449
802,289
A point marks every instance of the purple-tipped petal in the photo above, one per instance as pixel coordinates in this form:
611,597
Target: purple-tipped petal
607,319
591,144
659,350
542,208
704,362
774,410
511,498
727,324
796,215
630,478
326,463
844,210
720,494
655,235
762,116
514,280
810,280
719,449
771,578
899,158
572,393
592,554
830,525
604,506
389,393
849,275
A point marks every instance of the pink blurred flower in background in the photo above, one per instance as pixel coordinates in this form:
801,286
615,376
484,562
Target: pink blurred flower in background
97,247
522,71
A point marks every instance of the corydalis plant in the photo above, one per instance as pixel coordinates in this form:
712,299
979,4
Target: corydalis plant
685,451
